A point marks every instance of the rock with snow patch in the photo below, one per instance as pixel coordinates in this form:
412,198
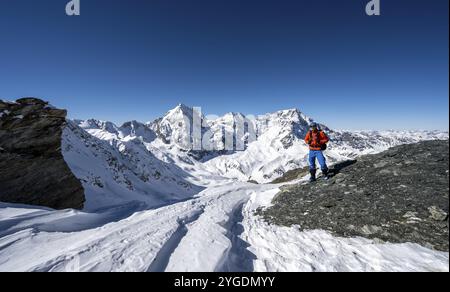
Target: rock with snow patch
400,195
32,168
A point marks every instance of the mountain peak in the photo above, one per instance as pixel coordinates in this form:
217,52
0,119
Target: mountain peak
290,112
182,111
234,115
183,107
97,124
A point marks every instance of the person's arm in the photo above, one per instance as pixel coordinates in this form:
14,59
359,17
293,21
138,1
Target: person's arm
324,138
308,138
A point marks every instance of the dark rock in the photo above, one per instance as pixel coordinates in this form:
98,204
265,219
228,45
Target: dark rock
401,195
31,101
32,168
292,175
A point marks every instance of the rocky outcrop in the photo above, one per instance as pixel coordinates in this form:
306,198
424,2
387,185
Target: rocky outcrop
292,175
401,195
32,167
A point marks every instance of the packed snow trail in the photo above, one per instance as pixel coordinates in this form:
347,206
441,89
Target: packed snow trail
216,230
209,240
149,240
128,245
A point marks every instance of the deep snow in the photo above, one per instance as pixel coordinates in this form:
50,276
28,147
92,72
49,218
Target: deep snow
214,231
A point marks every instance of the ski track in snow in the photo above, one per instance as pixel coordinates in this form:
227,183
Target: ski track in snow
161,260
214,231
145,241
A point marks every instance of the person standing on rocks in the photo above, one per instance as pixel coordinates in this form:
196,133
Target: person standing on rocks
317,141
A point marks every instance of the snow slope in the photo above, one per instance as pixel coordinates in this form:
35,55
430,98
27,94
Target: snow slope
117,171
155,205
214,231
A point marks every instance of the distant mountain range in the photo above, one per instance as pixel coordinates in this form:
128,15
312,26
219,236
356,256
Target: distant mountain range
154,162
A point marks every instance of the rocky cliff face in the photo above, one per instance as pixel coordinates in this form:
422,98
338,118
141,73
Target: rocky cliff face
401,195
32,168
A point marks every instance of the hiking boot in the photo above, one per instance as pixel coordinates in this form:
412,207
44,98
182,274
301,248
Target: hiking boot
313,175
325,174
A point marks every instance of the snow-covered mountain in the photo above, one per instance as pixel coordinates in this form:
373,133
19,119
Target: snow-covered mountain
236,146
115,166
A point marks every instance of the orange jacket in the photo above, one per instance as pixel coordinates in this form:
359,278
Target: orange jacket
315,139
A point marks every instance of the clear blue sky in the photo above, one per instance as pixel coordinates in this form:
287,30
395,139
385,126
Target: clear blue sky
135,59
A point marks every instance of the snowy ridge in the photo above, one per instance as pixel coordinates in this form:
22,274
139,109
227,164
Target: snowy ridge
115,170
